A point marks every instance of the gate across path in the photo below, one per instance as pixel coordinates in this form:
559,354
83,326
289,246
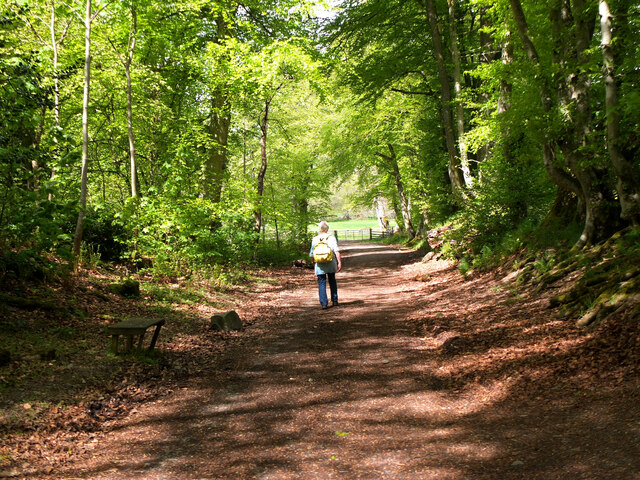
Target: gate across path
361,234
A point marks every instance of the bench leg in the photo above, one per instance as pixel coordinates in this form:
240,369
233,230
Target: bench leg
129,344
140,340
155,337
114,344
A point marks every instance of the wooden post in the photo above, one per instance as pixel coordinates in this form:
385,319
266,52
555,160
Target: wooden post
371,234
335,234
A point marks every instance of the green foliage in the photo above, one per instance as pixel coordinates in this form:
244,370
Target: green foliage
269,254
186,235
26,265
464,266
104,236
513,197
64,332
398,238
334,114
223,277
484,259
26,217
553,234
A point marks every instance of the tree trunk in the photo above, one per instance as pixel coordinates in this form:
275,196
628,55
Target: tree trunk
627,184
404,202
573,95
504,100
559,176
275,218
77,239
216,165
457,88
380,213
55,48
127,69
566,181
564,209
303,215
219,125
264,125
455,170
398,212
301,206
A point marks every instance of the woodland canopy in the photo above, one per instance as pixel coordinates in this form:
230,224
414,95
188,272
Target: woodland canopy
196,133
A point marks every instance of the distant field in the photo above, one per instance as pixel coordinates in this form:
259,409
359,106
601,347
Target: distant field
352,224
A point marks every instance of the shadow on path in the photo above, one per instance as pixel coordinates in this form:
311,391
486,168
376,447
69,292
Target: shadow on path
354,393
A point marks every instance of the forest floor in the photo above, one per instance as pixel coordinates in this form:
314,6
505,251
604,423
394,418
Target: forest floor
419,373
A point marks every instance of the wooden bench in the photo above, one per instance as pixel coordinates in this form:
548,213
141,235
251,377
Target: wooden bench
131,328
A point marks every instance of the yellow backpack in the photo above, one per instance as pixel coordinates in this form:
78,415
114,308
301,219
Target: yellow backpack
322,253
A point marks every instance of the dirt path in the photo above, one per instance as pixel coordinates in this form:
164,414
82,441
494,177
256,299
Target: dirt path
442,378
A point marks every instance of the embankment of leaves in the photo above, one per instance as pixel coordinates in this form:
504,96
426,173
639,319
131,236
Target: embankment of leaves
592,283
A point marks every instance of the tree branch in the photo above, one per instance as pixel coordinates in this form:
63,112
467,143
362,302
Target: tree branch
408,92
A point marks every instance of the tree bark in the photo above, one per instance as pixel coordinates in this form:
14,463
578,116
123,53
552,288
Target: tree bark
565,180
559,176
216,165
573,95
398,212
564,209
127,69
455,170
380,213
627,184
219,125
457,89
392,161
264,125
77,238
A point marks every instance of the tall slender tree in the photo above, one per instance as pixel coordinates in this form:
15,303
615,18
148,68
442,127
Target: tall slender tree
77,238
457,90
127,60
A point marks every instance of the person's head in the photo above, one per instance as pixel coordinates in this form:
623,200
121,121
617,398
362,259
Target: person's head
323,227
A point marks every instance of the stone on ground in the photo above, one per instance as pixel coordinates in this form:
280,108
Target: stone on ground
226,321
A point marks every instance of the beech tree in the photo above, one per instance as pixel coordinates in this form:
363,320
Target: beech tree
622,161
77,238
455,167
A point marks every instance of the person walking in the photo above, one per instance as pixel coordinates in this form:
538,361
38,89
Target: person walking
326,268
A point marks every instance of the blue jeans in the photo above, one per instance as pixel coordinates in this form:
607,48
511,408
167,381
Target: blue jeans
322,288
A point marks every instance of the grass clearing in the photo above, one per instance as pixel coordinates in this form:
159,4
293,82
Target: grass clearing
356,224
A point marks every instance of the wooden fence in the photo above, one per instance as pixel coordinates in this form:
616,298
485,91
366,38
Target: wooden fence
361,234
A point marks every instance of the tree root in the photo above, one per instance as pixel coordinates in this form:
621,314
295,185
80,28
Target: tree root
608,281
